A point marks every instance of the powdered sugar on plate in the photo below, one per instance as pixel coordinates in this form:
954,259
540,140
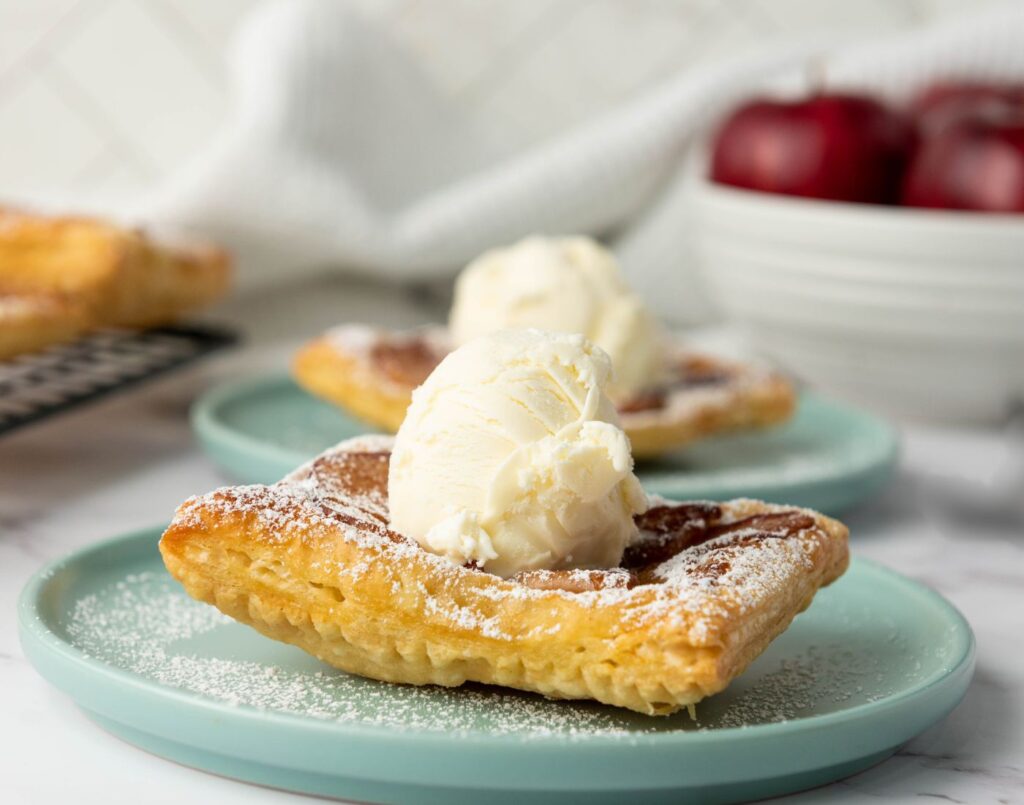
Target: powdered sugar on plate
146,625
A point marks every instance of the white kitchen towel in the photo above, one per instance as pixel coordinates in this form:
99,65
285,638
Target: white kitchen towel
341,155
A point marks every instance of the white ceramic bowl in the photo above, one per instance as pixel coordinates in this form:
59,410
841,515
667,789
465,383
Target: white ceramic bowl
917,313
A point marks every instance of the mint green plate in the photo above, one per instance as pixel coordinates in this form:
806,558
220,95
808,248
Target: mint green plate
829,457
876,660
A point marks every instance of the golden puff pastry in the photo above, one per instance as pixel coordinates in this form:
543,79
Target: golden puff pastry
88,274
312,561
373,372
30,322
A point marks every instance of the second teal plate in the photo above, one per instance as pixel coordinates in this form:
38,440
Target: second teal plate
829,457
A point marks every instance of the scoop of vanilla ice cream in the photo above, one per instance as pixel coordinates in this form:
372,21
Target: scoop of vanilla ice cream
511,456
570,285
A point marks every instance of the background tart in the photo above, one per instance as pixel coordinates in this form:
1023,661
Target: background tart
72,274
372,373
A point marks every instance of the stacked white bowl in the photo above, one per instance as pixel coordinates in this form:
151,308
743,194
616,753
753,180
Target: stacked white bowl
916,313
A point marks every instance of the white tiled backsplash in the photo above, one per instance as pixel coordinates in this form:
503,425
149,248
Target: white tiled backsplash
100,99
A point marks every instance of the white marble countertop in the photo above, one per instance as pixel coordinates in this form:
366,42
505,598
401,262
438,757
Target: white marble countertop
952,518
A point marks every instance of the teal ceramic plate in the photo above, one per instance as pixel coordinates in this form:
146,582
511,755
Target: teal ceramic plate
829,457
874,661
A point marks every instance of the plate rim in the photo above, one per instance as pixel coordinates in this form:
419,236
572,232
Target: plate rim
882,461
33,627
207,425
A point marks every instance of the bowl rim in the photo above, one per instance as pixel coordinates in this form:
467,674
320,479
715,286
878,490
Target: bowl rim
890,215
922,216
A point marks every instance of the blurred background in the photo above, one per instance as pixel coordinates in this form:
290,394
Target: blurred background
101,100
394,141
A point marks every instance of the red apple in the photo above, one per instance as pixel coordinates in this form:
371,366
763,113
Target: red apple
832,146
975,162
944,102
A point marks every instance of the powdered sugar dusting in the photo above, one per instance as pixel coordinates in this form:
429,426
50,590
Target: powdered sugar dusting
734,383
353,339
359,340
146,625
697,591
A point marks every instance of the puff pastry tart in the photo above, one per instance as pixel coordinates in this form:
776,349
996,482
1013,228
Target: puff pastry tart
29,322
373,372
71,274
312,561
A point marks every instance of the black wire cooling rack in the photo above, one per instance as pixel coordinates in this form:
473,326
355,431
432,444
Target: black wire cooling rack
39,385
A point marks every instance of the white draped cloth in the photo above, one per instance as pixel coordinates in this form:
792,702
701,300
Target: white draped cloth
341,155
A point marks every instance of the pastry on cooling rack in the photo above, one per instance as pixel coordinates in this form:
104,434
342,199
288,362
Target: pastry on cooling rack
70,274
502,538
29,322
666,395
